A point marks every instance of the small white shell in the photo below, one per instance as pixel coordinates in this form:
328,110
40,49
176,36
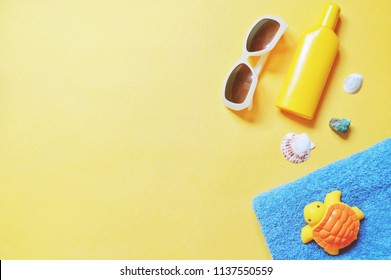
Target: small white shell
352,83
296,147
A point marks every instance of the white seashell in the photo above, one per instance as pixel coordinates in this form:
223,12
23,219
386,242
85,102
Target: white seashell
296,147
352,83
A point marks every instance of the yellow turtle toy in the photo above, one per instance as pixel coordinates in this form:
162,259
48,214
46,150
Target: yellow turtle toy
332,224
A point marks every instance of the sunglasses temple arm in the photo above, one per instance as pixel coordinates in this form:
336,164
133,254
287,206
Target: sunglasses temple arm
257,70
261,62
250,106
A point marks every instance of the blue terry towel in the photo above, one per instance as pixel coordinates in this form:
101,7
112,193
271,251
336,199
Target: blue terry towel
365,181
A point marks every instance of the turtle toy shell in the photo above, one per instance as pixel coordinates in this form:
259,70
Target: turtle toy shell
332,224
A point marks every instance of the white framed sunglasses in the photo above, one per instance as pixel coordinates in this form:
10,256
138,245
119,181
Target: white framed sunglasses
242,80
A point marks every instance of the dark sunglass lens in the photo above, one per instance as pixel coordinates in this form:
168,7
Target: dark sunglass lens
238,84
262,34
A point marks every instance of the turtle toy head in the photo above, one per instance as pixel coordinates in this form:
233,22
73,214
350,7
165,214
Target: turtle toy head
313,212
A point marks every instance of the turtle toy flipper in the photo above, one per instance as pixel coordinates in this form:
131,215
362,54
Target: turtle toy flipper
332,224
306,234
359,213
332,198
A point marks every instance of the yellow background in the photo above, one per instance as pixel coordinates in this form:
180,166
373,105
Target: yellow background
114,141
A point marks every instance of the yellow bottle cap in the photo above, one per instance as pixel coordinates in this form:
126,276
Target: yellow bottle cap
330,15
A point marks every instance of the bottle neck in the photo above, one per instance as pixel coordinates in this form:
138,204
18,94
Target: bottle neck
330,16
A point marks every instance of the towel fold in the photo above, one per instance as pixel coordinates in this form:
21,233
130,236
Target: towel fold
365,181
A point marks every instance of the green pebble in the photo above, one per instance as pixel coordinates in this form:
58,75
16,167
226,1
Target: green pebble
340,126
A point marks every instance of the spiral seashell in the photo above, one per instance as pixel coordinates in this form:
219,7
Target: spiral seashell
352,83
296,147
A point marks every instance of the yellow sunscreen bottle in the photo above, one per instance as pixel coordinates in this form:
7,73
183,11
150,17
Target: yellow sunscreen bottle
310,67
